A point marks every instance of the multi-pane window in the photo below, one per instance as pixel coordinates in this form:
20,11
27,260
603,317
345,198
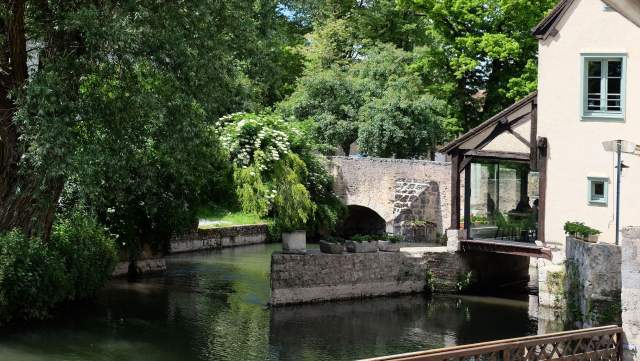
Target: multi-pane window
598,190
604,86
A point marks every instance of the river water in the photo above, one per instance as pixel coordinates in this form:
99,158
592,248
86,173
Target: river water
212,306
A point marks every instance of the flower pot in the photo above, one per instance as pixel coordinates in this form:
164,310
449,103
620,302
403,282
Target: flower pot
294,242
592,238
362,247
331,248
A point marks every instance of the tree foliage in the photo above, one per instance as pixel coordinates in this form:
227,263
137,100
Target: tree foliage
476,55
278,172
112,102
481,52
377,100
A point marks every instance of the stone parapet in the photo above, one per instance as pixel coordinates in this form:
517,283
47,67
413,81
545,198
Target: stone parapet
221,237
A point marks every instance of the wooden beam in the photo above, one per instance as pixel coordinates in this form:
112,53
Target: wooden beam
456,158
519,137
513,156
533,144
465,162
467,201
542,145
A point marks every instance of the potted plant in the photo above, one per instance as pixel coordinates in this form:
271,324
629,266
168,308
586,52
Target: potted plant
582,232
292,207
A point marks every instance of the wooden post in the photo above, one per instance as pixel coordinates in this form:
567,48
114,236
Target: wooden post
455,190
534,136
542,183
467,201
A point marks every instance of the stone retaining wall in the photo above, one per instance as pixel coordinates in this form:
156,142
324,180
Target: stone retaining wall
631,292
316,277
221,237
593,282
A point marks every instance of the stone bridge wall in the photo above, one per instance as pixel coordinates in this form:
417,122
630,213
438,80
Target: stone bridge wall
399,190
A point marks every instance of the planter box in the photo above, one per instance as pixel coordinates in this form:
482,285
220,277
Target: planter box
294,242
331,248
362,247
591,239
386,246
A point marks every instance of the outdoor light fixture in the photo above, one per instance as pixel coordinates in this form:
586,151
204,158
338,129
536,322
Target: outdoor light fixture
619,147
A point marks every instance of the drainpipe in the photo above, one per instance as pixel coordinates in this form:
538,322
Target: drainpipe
619,174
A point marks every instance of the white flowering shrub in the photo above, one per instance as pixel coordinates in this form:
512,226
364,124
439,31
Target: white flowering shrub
277,171
254,139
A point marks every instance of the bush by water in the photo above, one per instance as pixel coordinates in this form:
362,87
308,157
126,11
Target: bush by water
36,276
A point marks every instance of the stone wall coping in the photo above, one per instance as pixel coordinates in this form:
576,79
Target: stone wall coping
391,160
597,244
225,230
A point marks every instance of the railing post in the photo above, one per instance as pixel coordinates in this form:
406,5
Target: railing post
506,354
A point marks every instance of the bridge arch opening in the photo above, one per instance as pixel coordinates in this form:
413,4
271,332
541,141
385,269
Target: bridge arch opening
361,220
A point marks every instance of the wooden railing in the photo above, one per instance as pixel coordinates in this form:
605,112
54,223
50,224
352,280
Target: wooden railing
592,344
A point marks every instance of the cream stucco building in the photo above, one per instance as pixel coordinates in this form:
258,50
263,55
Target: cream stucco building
541,162
590,34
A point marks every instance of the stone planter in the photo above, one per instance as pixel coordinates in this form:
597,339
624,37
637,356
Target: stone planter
331,248
294,242
362,247
386,246
591,238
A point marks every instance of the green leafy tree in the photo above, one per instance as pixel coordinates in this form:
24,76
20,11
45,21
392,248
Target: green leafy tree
332,99
378,101
481,52
113,100
402,124
277,172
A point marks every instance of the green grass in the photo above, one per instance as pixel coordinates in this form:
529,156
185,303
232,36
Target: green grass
224,217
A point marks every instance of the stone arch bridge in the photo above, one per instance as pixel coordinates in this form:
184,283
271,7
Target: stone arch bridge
409,198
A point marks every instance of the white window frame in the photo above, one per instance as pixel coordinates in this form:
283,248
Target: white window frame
589,115
599,201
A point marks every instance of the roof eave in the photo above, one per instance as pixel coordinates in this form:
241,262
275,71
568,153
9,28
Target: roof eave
487,123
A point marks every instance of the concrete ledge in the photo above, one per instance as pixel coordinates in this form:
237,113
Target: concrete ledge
221,237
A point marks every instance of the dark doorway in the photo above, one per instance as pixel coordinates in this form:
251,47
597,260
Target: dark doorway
361,220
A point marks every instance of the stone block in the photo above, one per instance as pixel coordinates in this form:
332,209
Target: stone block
362,247
294,242
386,246
453,240
331,247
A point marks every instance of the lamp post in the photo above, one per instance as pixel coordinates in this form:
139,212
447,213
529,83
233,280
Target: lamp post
619,147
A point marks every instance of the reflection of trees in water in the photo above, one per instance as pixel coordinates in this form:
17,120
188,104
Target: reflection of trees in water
382,326
227,326
238,332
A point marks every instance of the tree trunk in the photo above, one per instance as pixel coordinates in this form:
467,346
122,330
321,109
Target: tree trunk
27,201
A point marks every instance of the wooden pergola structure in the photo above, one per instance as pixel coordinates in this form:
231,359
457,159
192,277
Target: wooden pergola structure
509,136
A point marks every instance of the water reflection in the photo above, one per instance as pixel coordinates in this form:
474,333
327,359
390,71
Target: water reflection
212,306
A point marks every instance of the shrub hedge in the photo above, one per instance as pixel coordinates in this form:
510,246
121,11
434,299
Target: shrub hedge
36,276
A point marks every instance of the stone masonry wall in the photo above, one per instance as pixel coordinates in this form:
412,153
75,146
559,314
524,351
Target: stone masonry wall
221,237
593,282
631,292
397,189
316,277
